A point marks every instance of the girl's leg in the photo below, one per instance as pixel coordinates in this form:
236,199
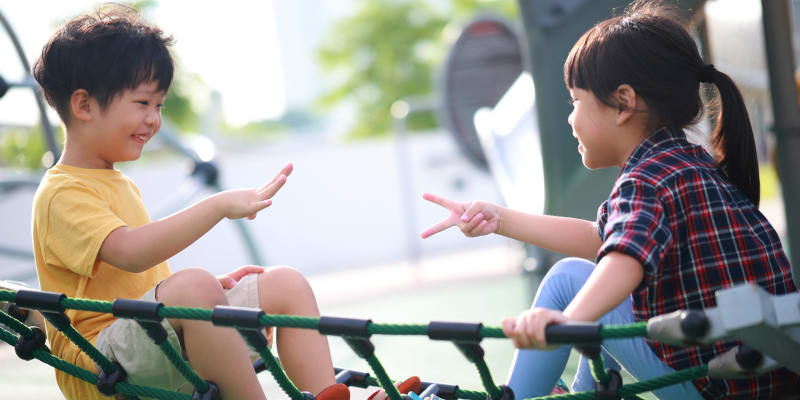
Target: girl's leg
304,353
559,287
534,372
218,354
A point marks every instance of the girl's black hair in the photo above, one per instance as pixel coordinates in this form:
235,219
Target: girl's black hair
104,53
648,49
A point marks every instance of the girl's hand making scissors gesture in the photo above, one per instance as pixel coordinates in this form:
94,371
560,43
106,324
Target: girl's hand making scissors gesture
475,218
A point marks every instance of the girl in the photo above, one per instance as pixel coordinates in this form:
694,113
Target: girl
679,224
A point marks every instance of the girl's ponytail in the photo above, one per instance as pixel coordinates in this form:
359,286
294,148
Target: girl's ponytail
733,137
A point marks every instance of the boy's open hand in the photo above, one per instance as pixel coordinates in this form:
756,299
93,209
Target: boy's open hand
477,218
242,203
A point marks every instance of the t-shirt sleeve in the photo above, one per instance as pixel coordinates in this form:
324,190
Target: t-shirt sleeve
79,220
636,225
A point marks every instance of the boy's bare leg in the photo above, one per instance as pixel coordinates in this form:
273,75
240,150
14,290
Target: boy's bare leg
218,354
304,353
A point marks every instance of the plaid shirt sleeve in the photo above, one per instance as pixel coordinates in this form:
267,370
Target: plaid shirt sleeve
635,225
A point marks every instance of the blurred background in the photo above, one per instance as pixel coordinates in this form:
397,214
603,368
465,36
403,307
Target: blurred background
375,102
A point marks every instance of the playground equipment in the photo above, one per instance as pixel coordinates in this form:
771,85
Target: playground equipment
766,325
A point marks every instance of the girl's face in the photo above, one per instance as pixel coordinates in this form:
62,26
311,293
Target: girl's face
593,124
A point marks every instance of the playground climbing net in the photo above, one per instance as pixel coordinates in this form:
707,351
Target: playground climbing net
762,322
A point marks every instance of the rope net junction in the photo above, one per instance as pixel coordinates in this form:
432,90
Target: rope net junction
680,327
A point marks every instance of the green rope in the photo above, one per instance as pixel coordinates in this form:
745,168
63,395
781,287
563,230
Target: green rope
486,379
73,335
288,321
88,376
86,304
7,295
632,389
198,314
636,329
607,332
278,373
397,329
688,374
598,369
16,325
183,367
383,378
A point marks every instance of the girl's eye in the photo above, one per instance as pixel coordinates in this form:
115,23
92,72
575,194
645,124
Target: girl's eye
144,103
571,101
159,106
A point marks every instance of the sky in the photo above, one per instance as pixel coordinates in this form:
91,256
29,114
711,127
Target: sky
234,49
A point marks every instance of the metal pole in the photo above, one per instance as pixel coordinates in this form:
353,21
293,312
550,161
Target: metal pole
49,134
781,65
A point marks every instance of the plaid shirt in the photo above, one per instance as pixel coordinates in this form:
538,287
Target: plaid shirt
694,233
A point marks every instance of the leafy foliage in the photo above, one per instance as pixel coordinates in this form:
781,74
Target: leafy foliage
389,50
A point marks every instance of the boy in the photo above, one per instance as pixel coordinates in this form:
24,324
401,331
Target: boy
106,75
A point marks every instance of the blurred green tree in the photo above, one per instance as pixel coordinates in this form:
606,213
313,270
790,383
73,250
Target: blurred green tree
388,50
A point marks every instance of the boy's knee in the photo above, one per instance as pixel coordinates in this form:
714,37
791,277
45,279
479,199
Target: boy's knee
284,277
194,287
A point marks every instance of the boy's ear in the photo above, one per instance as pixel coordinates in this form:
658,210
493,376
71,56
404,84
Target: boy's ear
81,104
626,100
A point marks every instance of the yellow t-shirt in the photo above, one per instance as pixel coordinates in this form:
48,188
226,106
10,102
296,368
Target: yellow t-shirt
74,210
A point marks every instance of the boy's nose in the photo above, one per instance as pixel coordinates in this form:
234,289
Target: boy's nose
152,118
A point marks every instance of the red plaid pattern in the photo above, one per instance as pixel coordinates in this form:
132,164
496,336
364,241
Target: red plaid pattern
694,233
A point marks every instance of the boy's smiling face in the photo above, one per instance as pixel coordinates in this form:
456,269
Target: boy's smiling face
126,124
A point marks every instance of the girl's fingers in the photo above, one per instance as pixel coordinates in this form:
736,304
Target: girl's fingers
440,226
448,204
473,209
478,230
473,222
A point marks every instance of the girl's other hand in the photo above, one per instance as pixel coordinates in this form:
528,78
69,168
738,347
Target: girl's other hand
527,330
477,218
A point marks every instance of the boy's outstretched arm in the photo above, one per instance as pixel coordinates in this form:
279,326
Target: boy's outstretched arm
571,236
136,250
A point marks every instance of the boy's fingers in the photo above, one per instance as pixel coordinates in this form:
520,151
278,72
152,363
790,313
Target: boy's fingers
437,228
270,190
448,204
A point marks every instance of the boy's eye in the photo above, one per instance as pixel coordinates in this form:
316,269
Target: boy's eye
571,101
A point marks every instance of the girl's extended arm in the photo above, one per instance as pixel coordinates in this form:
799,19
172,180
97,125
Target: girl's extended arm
570,236
136,250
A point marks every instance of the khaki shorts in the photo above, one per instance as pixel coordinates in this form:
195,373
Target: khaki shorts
125,342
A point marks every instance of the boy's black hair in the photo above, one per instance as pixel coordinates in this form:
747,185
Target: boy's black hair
105,52
650,50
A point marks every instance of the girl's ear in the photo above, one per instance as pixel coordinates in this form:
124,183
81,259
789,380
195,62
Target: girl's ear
80,104
627,101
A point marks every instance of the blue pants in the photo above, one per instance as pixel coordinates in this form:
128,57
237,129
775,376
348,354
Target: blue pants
534,372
